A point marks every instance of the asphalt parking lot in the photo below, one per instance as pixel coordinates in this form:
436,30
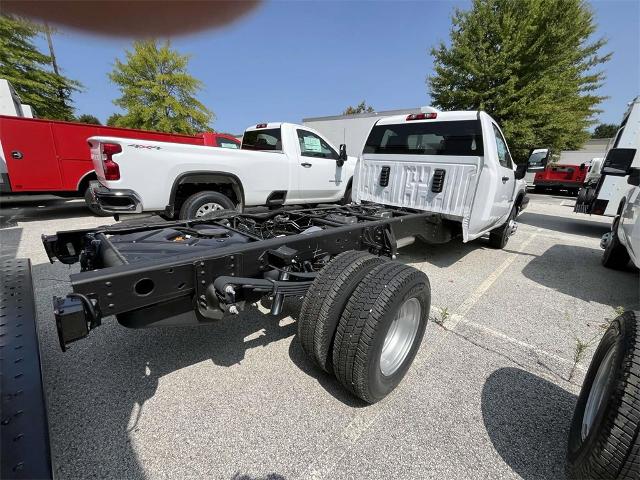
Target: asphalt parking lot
490,394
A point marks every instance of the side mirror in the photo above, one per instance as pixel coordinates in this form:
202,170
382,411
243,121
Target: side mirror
521,171
582,166
618,161
342,156
634,177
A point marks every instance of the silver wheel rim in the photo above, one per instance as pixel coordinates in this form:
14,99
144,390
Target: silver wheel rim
596,395
208,208
400,336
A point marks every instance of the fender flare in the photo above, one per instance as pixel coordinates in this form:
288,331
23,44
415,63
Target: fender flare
84,177
203,176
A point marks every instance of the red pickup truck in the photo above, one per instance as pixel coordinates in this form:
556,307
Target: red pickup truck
556,177
52,157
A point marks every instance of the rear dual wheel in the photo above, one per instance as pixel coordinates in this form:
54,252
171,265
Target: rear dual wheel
615,254
363,319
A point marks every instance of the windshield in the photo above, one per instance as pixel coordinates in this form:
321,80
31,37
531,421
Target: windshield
267,139
427,138
537,159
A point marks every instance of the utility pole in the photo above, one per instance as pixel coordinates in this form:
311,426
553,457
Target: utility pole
52,54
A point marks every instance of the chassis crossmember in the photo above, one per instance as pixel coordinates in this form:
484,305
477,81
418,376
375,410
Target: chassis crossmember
193,272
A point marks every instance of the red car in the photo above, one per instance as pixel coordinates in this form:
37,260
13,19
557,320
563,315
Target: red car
52,157
557,177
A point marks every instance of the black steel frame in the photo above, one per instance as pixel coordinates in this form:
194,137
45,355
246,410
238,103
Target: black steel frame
211,284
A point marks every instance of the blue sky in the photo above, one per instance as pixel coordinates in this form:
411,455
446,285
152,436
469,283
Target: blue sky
290,60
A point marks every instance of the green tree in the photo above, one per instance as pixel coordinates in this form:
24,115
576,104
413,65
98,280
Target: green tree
532,65
88,118
113,119
605,130
362,107
29,70
157,91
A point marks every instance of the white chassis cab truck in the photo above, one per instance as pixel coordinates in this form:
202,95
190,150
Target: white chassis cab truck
277,164
604,194
455,164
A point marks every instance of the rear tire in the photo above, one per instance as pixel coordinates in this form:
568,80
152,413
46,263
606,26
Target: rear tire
347,197
88,199
498,237
615,254
205,202
604,439
381,329
325,301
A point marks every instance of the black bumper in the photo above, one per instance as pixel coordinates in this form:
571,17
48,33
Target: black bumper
24,429
114,201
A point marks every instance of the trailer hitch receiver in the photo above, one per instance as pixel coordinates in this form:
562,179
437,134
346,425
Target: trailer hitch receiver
75,315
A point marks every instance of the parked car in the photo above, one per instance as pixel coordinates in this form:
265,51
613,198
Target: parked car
51,157
277,164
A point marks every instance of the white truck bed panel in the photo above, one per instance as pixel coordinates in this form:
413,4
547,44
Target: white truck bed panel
410,185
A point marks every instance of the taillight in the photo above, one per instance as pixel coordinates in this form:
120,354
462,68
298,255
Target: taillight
422,116
261,125
111,168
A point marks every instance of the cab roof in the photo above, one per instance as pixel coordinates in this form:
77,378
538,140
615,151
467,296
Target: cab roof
264,125
439,117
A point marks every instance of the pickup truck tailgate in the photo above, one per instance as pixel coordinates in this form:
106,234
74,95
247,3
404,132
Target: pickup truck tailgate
437,184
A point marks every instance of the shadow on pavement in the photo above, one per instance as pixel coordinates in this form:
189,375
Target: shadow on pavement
527,419
32,211
578,272
326,381
441,255
574,226
9,242
270,476
94,412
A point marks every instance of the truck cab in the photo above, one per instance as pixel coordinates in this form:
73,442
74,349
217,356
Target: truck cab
455,164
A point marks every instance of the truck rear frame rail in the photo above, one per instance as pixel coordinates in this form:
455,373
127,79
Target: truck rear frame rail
193,272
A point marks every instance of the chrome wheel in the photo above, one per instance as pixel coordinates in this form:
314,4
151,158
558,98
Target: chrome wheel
208,208
596,395
400,336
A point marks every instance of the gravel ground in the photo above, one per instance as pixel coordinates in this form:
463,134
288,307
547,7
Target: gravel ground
490,394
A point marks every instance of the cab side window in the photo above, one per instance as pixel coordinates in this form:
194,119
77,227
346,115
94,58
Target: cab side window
503,153
311,145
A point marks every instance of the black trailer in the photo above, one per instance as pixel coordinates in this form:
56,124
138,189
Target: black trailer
363,314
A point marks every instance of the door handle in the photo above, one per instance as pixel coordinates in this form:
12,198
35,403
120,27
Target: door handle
16,155
306,165
505,179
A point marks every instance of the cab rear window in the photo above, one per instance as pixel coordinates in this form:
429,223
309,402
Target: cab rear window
267,139
227,143
461,138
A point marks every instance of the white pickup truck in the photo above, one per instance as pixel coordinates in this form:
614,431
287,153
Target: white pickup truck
456,164
277,164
